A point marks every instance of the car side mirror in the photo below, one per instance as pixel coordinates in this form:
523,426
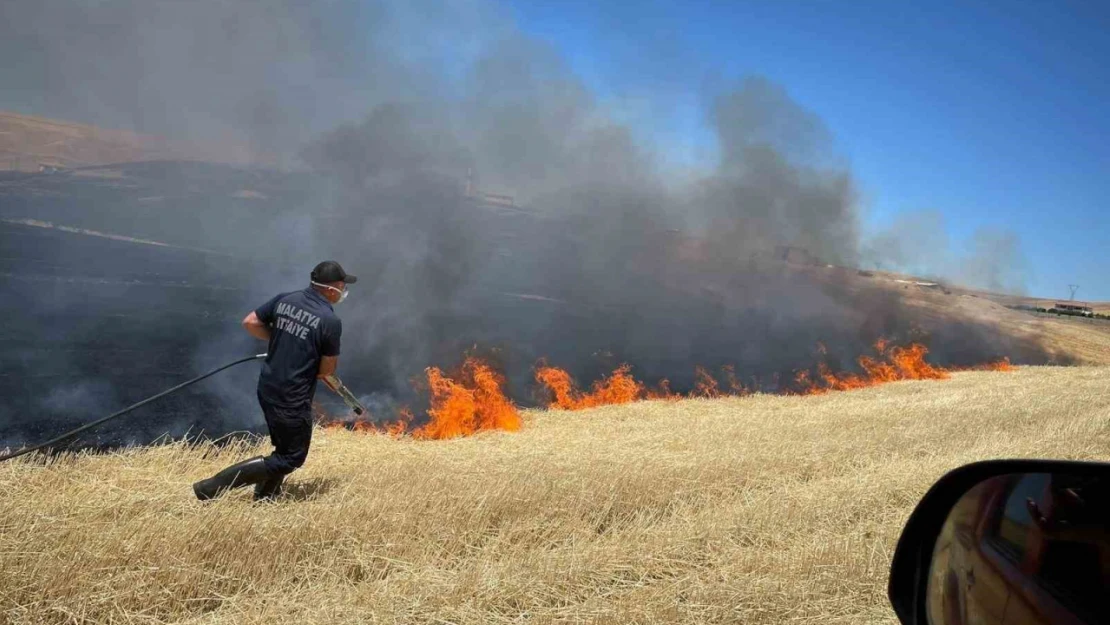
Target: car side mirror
1008,542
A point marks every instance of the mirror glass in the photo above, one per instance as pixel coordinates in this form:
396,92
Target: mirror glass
1024,548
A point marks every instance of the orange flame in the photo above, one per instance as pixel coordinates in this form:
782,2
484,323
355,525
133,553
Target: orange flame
663,391
473,404
734,385
705,385
618,388
997,365
473,399
891,364
469,402
895,363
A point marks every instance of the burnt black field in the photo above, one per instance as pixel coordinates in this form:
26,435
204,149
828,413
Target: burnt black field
91,324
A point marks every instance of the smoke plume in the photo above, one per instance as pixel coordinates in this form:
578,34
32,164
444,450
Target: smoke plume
918,243
390,121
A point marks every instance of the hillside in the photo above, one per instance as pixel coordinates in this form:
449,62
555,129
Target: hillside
756,510
30,144
1070,340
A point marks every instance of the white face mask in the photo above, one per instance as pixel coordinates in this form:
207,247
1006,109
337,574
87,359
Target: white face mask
342,293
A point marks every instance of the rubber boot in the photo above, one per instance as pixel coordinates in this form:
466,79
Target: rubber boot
269,489
245,473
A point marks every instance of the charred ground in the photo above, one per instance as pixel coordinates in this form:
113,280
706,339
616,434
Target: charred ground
93,323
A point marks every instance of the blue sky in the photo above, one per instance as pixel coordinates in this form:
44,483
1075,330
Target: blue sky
995,114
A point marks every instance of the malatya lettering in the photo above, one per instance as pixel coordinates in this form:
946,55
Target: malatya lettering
294,321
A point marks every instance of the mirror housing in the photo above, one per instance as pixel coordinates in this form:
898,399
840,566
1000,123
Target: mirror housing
913,556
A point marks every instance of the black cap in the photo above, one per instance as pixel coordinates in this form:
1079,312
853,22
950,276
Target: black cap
330,271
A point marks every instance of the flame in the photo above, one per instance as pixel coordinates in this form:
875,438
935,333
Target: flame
618,387
734,385
1001,365
471,401
893,364
558,382
997,365
705,385
472,404
662,391
889,364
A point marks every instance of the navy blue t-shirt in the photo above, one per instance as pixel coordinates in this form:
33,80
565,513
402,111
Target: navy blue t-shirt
303,327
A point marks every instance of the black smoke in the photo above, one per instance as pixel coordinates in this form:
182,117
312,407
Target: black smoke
390,120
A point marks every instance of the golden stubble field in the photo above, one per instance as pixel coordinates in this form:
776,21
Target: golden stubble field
752,510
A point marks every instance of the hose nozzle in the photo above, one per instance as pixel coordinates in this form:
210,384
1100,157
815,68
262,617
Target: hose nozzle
335,384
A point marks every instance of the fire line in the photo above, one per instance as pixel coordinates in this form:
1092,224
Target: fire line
472,399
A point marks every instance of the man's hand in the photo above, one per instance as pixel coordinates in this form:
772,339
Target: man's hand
328,365
257,329
335,384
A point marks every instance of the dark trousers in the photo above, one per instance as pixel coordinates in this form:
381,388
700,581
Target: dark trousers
290,433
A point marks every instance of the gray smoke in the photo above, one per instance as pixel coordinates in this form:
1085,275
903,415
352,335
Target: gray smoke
384,114
259,78
995,262
918,243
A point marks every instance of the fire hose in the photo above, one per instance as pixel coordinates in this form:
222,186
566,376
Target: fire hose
76,431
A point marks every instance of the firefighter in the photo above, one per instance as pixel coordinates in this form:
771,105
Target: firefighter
303,334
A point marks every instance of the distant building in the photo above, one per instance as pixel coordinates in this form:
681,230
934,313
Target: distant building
472,191
1074,308
497,198
795,255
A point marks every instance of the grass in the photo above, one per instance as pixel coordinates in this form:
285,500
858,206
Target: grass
1064,339
753,510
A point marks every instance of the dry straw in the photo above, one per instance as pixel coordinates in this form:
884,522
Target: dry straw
753,510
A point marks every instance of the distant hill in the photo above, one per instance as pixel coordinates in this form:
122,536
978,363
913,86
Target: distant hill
32,144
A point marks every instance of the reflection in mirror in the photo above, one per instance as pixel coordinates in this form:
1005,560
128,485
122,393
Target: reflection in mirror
1025,548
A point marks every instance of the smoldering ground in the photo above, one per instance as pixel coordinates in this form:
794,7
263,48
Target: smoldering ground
389,116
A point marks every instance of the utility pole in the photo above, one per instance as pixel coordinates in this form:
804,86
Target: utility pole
1074,288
